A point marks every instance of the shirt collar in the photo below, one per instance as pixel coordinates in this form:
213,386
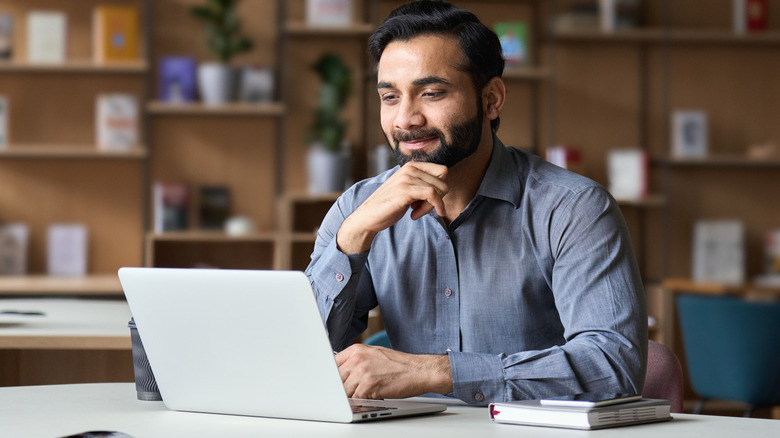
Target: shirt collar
501,180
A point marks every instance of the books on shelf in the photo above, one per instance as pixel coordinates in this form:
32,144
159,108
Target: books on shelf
171,206
513,36
46,36
14,242
618,14
719,252
67,249
329,13
116,34
534,413
116,121
627,172
3,122
177,79
750,15
567,157
690,134
578,16
6,37
213,207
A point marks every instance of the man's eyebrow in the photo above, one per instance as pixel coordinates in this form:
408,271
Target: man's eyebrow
428,80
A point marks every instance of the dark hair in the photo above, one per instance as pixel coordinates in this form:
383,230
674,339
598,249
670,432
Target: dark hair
479,44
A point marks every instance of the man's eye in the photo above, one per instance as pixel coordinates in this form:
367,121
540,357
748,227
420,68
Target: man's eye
388,98
434,94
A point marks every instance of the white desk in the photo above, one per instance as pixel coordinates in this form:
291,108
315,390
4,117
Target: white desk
67,324
60,410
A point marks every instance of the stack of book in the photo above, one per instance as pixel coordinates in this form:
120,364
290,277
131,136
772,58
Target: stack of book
578,415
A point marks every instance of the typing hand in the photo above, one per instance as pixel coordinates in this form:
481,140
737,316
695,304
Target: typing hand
420,186
377,373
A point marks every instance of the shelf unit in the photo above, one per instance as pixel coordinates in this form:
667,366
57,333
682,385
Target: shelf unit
619,89
51,169
236,145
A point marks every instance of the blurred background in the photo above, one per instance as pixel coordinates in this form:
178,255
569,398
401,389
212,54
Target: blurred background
217,133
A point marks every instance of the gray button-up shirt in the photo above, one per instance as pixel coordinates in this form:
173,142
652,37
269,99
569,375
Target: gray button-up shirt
532,291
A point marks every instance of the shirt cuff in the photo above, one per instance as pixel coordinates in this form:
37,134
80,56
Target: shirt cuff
334,270
477,378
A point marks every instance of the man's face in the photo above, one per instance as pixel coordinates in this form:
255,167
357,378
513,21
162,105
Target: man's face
429,108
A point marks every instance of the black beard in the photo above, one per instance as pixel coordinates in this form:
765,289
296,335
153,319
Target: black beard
465,137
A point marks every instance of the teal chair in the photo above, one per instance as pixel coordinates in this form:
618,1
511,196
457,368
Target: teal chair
378,338
732,347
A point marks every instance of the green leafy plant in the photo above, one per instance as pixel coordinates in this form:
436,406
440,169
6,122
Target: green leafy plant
328,127
223,28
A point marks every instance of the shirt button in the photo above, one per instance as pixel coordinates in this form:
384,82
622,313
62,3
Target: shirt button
447,236
339,277
479,397
448,292
448,350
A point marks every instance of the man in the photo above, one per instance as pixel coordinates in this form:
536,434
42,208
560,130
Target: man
499,276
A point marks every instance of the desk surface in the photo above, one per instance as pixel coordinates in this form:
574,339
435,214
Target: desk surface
60,410
68,323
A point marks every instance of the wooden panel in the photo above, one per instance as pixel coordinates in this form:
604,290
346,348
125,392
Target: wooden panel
106,196
52,367
216,254
597,101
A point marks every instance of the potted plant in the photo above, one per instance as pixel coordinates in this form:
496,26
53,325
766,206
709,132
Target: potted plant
328,158
224,40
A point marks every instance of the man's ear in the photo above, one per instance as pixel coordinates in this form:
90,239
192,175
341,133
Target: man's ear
494,95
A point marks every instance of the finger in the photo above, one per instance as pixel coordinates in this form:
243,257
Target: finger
420,209
428,198
436,170
421,177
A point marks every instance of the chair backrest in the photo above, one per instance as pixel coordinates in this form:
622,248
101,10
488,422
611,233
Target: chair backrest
664,378
379,338
732,347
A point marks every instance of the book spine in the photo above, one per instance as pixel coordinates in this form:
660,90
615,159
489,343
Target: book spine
3,122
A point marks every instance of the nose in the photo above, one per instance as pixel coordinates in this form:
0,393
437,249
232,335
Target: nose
409,115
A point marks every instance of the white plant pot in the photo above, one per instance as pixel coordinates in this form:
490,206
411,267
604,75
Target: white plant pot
327,170
215,83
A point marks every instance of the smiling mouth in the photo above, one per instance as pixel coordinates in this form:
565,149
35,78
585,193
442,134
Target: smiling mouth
421,143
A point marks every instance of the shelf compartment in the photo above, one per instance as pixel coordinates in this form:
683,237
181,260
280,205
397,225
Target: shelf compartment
189,249
95,284
272,109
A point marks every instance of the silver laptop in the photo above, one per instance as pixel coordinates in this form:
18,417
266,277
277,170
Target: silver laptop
245,343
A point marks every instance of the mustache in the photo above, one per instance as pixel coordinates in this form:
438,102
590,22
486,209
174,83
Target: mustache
416,134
